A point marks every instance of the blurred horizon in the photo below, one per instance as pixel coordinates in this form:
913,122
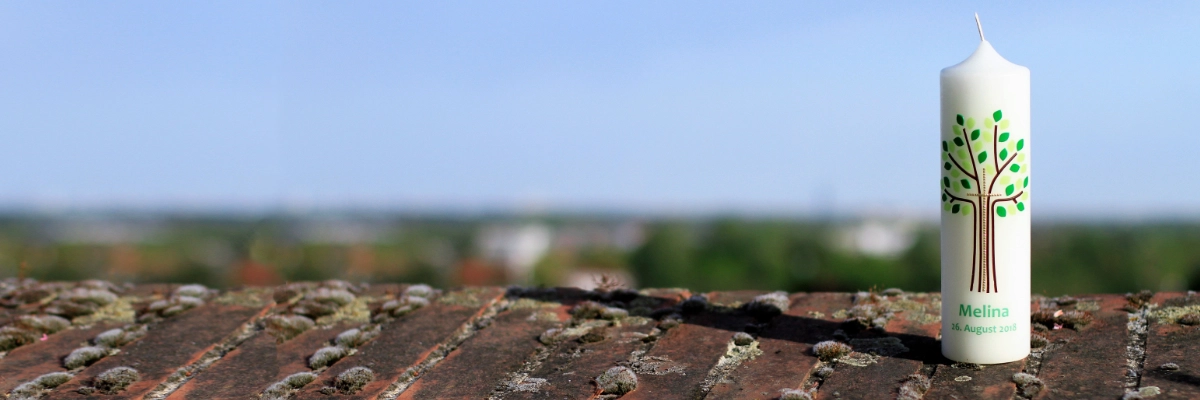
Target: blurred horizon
698,252
543,212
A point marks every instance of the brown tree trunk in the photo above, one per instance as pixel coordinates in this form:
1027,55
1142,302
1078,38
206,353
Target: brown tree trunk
992,250
983,272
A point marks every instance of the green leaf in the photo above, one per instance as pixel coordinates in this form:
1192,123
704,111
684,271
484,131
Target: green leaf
945,147
1020,144
946,181
982,156
1015,167
966,184
1004,124
1020,206
1003,154
955,208
1026,182
944,198
947,166
1004,137
958,141
966,210
1008,191
997,115
1001,211
959,119
970,123
975,134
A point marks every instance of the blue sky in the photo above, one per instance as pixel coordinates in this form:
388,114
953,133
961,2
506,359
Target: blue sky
792,107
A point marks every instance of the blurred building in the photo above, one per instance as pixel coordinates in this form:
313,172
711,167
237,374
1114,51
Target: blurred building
878,237
514,247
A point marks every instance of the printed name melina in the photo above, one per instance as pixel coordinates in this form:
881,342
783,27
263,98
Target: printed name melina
965,310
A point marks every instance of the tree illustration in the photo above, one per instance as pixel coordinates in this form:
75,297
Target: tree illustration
976,162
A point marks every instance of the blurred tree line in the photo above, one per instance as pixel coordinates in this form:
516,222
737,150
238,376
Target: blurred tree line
1066,258
734,254
700,254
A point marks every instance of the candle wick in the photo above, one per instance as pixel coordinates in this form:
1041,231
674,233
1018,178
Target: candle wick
980,26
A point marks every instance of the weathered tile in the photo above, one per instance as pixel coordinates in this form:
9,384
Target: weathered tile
672,295
167,346
877,380
262,361
985,382
1092,362
571,368
31,361
256,364
786,344
733,298
406,341
1173,343
486,357
683,357
916,314
884,360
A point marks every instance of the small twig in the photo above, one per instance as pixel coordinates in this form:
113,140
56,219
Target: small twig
607,282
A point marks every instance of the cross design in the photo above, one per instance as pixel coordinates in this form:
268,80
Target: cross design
983,183
985,200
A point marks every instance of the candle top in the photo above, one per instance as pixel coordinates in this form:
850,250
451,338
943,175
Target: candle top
985,60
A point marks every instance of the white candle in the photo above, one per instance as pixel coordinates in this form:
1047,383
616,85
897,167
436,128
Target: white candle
985,208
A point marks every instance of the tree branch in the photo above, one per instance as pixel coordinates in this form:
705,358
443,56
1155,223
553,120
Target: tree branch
1012,198
953,197
1001,171
995,154
971,153
964,170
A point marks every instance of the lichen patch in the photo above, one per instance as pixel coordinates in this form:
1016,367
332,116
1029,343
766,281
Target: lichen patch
914,387
519,382
735,355
1027,384
1087,305
653,365
119,311
859,359
467,297
249,297
1174,314
355,311
525,303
